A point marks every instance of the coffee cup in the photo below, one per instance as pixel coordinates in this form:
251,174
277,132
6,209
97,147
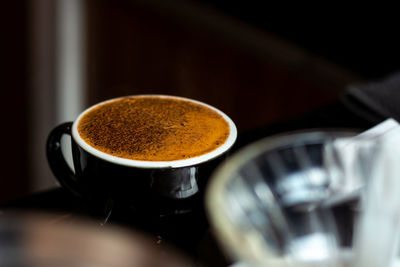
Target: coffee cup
147,151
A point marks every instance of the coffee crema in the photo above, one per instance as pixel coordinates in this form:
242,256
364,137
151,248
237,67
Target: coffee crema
153,128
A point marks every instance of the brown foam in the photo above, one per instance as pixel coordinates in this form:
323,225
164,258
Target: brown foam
153,128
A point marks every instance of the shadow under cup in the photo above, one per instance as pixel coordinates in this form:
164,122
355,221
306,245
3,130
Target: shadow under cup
147,186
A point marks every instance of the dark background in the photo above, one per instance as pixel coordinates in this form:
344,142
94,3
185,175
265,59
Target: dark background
258,66
15,86
360,38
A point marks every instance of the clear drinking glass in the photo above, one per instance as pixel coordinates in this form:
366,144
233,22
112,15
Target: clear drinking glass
267,203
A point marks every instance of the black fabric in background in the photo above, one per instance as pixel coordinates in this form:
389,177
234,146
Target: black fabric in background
375,100
361,106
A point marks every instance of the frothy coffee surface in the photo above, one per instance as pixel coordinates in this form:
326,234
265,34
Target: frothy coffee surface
153,128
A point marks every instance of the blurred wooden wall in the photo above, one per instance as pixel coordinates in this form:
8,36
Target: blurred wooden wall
191,51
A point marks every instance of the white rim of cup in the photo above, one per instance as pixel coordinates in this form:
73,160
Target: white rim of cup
156,164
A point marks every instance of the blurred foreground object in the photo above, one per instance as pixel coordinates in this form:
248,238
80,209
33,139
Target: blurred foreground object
264,202
37,240
274,203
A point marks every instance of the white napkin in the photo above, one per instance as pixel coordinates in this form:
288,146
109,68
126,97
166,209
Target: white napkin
349,160
377,234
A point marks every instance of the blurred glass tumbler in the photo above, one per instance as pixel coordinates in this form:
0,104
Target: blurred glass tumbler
266,201
146,184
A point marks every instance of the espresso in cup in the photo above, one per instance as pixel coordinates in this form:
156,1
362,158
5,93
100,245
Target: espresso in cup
145,150
153,128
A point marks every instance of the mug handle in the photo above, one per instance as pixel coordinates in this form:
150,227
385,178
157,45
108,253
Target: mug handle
56,160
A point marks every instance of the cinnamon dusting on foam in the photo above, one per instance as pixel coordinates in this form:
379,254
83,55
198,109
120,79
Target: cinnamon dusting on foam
153,128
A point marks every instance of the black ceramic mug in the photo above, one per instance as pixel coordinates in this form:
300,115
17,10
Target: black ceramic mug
164,186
